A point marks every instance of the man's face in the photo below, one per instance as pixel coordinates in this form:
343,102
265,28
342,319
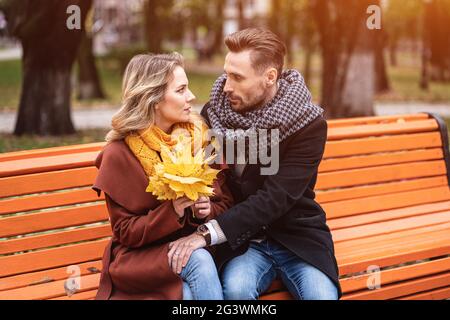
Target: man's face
245,87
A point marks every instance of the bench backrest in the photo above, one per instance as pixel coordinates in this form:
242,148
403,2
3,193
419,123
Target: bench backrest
50,218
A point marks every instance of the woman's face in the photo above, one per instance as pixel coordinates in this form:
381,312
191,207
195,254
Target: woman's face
175,106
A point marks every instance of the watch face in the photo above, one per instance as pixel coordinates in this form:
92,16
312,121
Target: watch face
203,228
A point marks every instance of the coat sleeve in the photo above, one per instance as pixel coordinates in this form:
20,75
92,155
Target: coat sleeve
135,231
137,218
280,191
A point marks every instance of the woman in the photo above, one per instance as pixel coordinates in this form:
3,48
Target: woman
156,101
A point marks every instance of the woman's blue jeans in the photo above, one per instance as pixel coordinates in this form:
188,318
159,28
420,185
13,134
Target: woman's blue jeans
247,276
200,278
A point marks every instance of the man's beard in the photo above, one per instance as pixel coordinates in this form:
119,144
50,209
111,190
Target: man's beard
254,105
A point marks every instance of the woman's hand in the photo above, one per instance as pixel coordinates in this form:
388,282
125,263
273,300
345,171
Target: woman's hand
180,204
202,208
180,251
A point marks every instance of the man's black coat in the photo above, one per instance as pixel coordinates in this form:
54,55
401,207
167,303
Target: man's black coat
282,206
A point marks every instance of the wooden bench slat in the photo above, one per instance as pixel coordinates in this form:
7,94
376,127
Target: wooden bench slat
345,208
283,295
370,145
387,277
437,294
52,258
44,201
388,227
55,219
31,278
49,290
53,151
44,164
391,252
387,215
360,131
349,247
376,119
48,181
373,160
87,295
55,239
354,177
396,275
332,195
402,289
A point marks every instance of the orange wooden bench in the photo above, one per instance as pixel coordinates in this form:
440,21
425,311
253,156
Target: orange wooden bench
384,183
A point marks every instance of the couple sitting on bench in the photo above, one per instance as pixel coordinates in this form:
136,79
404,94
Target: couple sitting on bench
255,227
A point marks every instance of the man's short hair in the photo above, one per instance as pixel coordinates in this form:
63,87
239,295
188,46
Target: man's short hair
267,50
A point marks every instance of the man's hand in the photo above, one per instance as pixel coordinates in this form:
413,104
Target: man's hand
202,208
180,251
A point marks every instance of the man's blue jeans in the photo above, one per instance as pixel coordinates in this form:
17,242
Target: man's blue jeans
247,276
200,278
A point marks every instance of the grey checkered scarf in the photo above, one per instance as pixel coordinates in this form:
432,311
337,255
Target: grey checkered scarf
290,110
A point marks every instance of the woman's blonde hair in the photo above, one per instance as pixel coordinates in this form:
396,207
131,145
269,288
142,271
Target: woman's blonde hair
144,85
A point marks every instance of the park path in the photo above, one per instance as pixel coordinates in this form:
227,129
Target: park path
101,117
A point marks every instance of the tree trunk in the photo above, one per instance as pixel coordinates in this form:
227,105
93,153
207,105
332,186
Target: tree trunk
49,50
308,64
241,17
88,80
290,30
44,107
153,26
393,44
218,27
382,81
274,21
347,58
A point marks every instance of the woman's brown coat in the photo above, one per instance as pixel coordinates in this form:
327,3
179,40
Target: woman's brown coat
135,262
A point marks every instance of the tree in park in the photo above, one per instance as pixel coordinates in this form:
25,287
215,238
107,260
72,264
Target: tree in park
348,59
204,19
89,86
50,33
157,17
436,42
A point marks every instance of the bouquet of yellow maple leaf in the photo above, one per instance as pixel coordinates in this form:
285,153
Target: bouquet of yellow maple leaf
182,174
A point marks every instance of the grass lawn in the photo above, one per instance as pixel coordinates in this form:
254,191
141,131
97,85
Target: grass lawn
111,80
404,80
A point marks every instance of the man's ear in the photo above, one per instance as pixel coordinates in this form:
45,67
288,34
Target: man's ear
271,76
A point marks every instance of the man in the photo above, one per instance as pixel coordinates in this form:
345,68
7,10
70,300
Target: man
276,227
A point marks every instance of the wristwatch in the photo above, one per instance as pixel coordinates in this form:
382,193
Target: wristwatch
204,232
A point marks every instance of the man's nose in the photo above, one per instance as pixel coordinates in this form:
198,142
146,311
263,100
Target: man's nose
227,88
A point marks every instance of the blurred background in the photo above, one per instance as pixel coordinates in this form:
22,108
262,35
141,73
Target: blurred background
60,86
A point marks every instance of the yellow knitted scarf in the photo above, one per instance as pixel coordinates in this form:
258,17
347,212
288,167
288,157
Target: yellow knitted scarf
146,144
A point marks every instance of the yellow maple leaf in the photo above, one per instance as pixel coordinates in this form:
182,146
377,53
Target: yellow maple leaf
182,174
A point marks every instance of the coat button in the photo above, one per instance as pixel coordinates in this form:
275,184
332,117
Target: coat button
264,228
